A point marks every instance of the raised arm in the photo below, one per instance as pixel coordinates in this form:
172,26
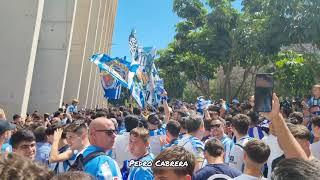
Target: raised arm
166,107
287,142
54,154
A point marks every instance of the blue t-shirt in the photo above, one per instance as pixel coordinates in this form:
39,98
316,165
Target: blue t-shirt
219,170
101,167
43,152
314,104
142,172
227,145
72,109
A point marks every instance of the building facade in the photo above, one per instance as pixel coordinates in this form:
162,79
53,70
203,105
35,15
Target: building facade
45,46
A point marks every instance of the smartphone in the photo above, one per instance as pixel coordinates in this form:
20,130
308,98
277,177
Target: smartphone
263,92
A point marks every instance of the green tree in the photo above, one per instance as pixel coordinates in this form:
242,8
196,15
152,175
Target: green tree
294,74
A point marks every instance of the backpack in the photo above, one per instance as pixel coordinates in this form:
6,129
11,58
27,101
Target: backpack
80,162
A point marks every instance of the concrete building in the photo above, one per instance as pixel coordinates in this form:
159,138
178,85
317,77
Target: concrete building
45,46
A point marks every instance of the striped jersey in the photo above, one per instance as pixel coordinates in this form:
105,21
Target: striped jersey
193,145
155,135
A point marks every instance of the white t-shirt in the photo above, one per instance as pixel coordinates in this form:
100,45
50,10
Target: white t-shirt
248,177
275,150
315,149
236,153
121,149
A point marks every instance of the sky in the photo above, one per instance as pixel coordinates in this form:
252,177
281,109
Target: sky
153,20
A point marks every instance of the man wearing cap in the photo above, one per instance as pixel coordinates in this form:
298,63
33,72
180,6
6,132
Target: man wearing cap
73,108
5,134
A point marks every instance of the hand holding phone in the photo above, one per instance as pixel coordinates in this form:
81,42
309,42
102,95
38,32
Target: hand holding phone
263,93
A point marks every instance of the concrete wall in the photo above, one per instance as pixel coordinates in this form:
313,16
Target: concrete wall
49,72
19,33
76,52
57,69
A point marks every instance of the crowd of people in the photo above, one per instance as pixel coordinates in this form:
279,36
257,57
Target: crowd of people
175,141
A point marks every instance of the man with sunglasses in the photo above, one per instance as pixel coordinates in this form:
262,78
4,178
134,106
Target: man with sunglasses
102,135
217,131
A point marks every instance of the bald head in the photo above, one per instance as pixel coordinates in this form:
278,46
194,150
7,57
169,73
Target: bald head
100,122
100,135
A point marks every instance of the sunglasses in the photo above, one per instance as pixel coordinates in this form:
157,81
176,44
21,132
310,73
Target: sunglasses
109,132
215,125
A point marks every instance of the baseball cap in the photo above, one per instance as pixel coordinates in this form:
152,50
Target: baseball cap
6,125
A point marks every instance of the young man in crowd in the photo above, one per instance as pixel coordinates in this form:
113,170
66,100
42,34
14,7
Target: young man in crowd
18,120
302,136
256,153
5,134
192,140
172,131
140,167
314,102
216,166
77,138
63,146
24,143
73,108
178,154
156,131
240,124
183,131
43,147
217,131
315,147
120,149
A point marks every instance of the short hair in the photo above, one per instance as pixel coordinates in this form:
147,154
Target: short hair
241,123
16,116
40,134
19,168
77,127
173,128
173,154
193,123
73,175
296,118
257,151
57,114
136,111
131,122
207,124
153,119
182,122
300,131
254,117
316,121
99,114
20,136
296,169
182,113
141,133
214,147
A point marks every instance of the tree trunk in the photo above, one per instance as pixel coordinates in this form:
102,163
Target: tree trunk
244,79
227,81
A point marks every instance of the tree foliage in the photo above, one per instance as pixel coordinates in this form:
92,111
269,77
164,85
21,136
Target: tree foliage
214,35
